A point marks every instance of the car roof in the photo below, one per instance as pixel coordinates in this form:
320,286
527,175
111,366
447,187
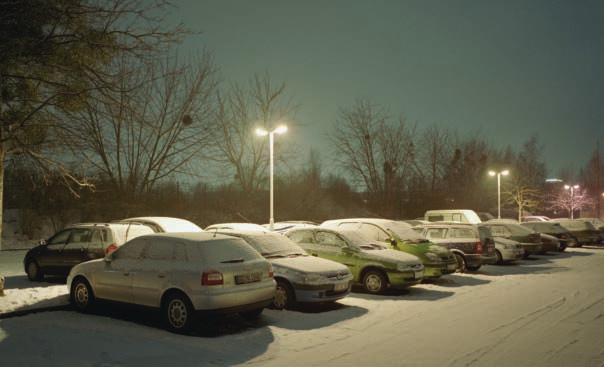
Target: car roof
189,236
161,221
367,220
235,226
446,224
104,225
245,232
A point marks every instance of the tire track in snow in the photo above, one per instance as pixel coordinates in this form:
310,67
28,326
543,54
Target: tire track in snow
477,354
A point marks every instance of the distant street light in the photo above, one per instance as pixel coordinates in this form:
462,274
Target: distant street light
505,172
572,198
281,129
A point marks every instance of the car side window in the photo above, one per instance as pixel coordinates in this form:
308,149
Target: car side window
374,232
436,233
159,250
330,239
60,238
131,250
461,233
302,237
80,235
97,238
499,231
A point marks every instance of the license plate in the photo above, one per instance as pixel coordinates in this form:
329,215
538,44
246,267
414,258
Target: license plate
247,278
419,275
339,287
452,266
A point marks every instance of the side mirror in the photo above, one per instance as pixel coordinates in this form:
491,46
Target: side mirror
42,243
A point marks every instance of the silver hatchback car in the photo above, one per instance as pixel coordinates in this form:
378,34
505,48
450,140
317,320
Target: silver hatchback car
179,273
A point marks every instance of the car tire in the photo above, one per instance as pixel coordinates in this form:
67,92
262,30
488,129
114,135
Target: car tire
178,313
284,295
34,273
499,257
252,315
81,295
461,263
374,281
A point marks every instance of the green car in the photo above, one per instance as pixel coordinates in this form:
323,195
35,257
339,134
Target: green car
400,236
373,265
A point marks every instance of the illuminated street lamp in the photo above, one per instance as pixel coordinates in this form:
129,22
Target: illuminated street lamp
505,172
281,129
572,198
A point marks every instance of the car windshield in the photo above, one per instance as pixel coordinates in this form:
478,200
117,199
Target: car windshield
405,232
519,230
356,239
274,245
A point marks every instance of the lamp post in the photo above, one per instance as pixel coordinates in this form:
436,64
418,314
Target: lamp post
505,172
572,198
281,129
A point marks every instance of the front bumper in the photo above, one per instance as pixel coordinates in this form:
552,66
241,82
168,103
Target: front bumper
439,269
405,279
320,293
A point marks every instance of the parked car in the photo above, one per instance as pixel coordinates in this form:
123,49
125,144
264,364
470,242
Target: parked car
583,230
535,218
566,238
372,264
400,236
235,227
452,215
506,250
299,276
180,274
164,224
528,239
599,225
549,243
464,241
415,222
75,244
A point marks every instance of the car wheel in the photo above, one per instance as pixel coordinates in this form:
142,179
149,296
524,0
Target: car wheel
81,295
461,263
374,281
251,315
284,295
499,257
34,273
178,313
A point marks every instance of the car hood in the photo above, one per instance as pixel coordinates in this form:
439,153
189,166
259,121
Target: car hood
307,264
390,256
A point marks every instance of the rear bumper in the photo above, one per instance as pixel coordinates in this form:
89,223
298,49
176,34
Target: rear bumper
479,259
216,299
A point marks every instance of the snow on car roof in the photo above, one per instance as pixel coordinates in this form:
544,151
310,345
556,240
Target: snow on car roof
236,226
169,224
191,236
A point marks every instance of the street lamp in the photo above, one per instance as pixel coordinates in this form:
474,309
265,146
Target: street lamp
505,172
281,129
572,198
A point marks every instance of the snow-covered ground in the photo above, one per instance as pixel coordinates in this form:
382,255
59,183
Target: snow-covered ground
544,312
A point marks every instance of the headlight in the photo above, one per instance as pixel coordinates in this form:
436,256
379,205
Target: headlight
312,278
403,267
432,256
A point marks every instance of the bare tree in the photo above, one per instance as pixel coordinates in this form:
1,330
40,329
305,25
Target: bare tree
152,127
434,151
523,197
570,201
241,110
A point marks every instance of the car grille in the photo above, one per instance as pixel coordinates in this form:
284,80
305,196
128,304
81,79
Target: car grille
336,275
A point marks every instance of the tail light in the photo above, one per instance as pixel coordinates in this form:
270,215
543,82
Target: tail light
270,271
110,248
478,247
211,277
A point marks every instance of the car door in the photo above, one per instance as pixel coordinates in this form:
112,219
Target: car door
332,247
151,273
114,281
75,250
49,259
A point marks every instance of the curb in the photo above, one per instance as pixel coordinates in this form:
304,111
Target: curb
18,313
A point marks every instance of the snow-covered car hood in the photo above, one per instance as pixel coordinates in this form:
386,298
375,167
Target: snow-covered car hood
307,264
439,250
389,255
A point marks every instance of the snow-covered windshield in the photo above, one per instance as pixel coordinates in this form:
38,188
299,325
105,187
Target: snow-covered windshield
519,230
356,239
405,232
274,245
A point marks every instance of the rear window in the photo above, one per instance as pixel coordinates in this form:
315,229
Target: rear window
462,233
221,250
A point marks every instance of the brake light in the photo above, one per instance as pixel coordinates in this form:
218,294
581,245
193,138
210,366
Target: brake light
478,247
110,248
211,277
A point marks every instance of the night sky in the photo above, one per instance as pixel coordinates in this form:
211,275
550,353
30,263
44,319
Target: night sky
504,69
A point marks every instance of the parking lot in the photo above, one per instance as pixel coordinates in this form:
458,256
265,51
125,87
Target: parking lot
546,310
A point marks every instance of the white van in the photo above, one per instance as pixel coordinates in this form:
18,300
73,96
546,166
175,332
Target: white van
452,215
